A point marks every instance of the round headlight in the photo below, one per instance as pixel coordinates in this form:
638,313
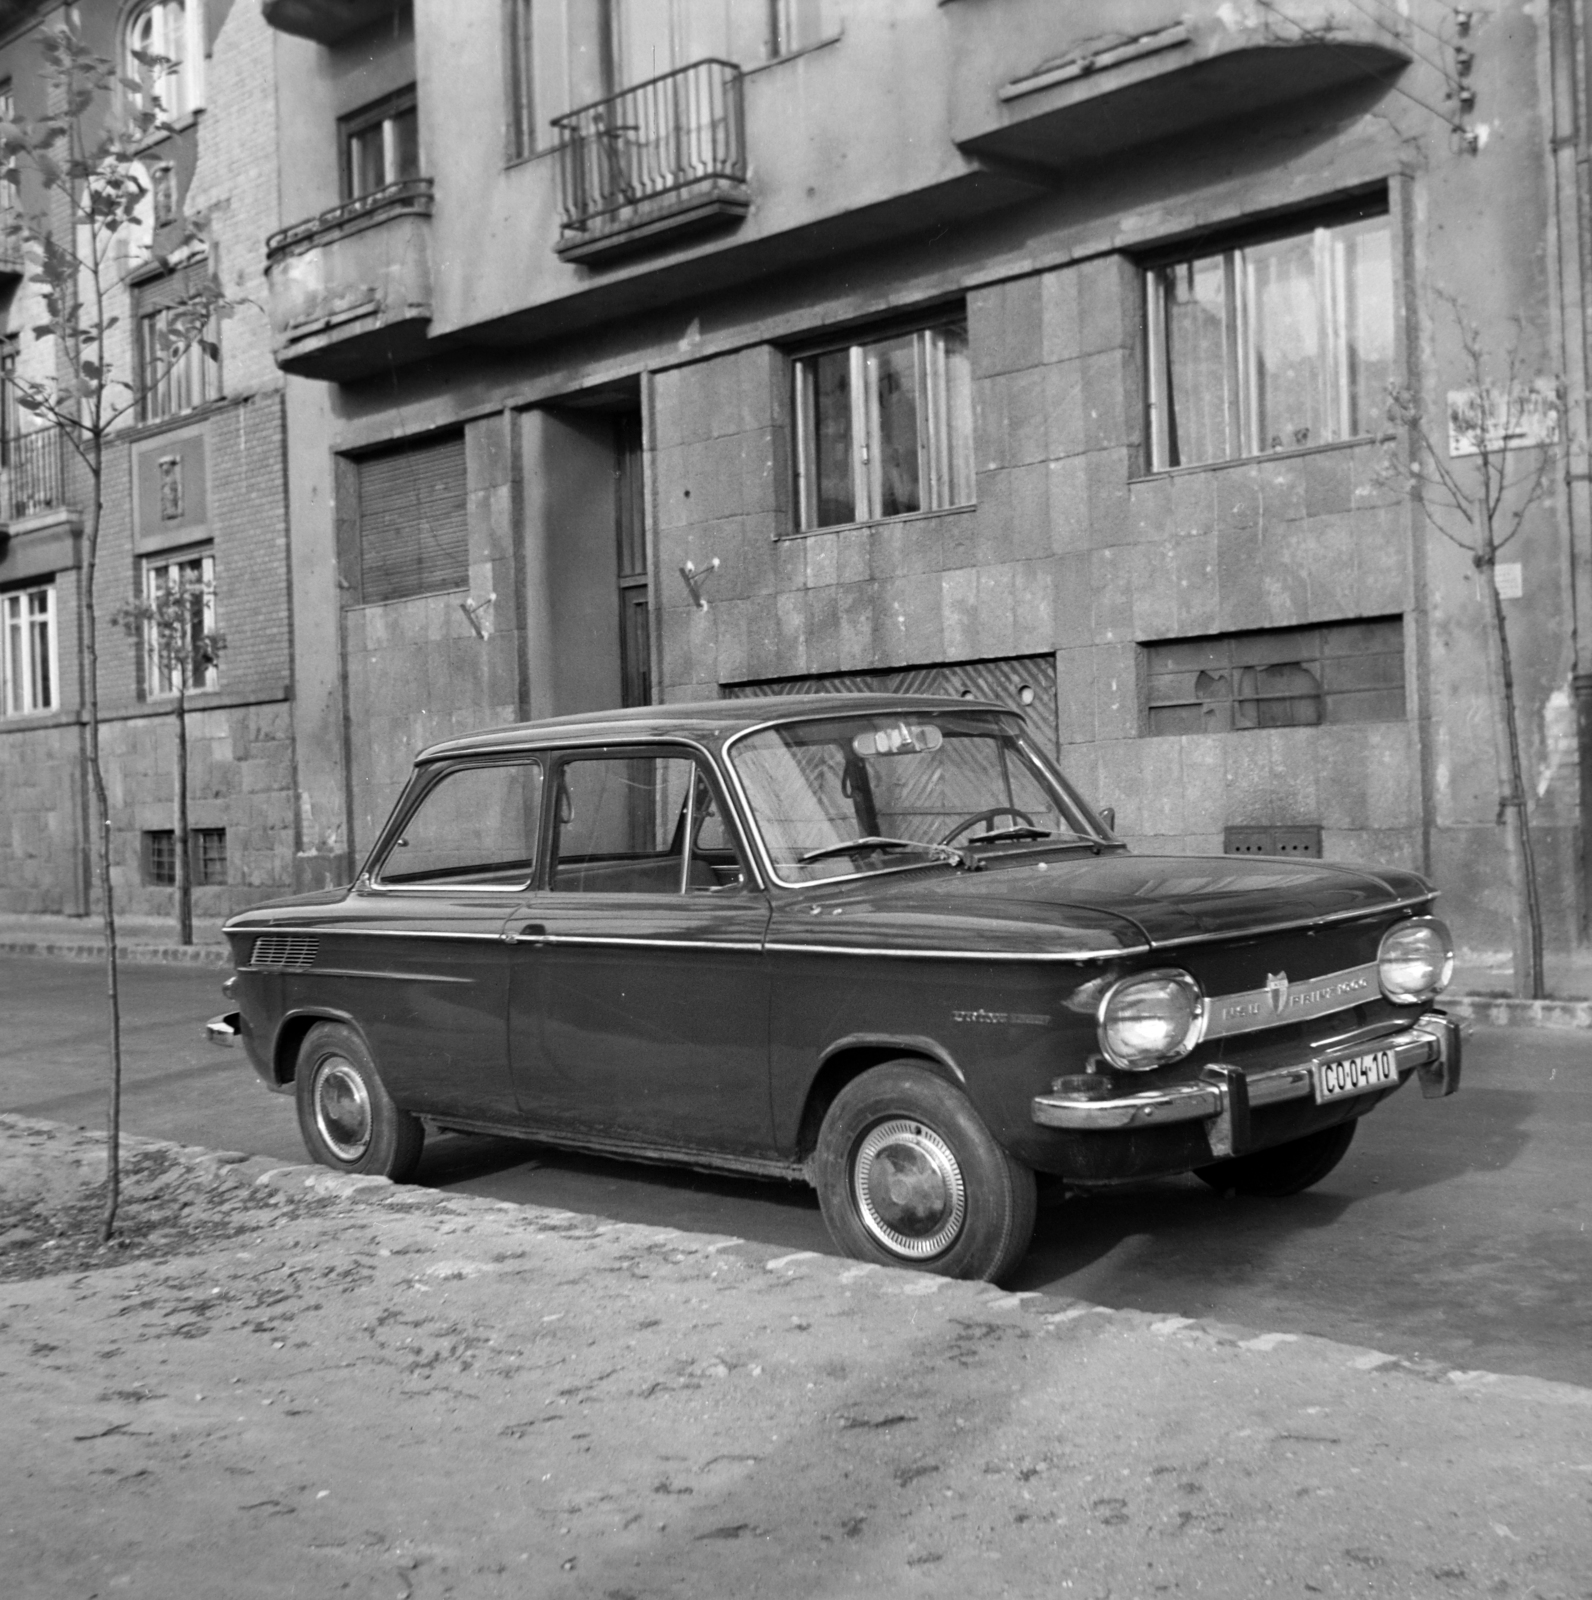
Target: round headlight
1415,960
1150,1019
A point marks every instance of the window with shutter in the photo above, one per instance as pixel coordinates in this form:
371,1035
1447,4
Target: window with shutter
413,534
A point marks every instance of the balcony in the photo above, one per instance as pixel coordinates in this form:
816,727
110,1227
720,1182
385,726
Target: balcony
350,290
325,21
662,161
33,479
1067,86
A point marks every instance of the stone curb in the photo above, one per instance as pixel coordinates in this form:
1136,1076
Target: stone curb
308,1182
1496,1013
191,955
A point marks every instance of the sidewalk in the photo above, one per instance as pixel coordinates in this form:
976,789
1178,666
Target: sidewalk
83,939
292,1383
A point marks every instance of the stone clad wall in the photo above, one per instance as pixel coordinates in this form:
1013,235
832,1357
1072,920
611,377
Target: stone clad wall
1071,548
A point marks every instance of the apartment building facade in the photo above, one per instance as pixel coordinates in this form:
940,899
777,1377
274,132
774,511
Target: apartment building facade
673,349
194,493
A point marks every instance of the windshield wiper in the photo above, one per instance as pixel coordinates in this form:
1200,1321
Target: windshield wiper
1019,830
880,841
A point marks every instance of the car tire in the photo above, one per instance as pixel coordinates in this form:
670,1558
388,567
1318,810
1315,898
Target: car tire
908,1175
347,1119
1285,1168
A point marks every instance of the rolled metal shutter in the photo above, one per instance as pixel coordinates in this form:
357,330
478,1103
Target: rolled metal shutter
413,528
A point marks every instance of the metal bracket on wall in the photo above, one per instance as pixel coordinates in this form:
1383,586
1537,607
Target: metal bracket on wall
694,580
473,610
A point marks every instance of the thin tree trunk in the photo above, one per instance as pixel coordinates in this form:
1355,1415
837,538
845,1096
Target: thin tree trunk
102,818
1529,981
184,877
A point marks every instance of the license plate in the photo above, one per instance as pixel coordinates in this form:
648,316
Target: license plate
1337,1080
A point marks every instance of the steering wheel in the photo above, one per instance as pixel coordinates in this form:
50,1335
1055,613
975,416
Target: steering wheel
988,816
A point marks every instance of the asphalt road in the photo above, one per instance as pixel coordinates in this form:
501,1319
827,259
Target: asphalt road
1456,1230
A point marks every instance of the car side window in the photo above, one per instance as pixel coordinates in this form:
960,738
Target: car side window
640,824
477,826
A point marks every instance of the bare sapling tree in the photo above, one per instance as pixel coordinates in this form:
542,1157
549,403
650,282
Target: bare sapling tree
1477,487
181,651
77,219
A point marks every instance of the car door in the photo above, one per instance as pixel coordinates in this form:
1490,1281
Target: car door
639,1001
425,969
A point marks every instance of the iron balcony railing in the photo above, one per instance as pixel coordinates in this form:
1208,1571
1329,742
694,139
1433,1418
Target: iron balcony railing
677,137
406,196
35,473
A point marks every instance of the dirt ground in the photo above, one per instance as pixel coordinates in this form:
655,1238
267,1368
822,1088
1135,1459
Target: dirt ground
282,1383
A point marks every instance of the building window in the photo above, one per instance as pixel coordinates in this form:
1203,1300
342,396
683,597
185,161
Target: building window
885,428
381,144
180,639
179,358
522,80
794,25
413,530
1280,343
29,675
207,857
165,57
1279,678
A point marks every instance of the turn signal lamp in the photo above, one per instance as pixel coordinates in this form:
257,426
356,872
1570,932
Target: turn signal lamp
1415,961
1150,1019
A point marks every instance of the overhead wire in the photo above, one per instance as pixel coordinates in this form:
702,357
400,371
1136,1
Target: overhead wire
1453,124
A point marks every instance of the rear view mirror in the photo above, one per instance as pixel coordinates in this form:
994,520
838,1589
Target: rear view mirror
898,739
1108,815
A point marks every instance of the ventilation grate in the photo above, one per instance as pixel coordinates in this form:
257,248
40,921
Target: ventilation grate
292,952
1304,841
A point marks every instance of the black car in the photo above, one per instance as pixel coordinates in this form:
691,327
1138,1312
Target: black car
876,943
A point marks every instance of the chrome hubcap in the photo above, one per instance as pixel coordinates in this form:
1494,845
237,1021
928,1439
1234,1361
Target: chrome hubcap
342,1108
909,1188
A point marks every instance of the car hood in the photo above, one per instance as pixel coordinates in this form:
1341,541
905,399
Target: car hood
1105,904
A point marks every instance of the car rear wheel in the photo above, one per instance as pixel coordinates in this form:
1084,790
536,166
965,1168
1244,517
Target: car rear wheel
1284,1169
908,1175
347,1118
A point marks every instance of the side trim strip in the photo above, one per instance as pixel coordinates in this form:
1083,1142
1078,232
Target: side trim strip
1112,954
366,972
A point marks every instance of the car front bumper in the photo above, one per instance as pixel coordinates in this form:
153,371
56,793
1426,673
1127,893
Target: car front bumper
1223,1096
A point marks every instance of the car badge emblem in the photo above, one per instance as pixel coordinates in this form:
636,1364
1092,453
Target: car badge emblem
1277,988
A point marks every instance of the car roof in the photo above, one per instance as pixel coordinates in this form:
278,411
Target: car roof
703,720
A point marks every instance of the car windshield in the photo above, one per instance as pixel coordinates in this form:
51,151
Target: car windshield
858,794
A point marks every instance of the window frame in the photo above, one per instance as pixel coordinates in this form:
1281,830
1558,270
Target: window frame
936,408
18,622
519,78
162,843
1239,350
187,77
159,684
687,824
1249,643
155,300
421,791
384,114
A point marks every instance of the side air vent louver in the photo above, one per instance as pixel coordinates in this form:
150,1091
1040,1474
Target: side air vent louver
291,952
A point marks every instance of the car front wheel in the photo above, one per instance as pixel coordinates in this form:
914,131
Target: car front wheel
347,1118
1285,1168
908,1175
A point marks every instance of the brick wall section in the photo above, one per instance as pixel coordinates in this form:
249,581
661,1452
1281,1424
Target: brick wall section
241,772
235,186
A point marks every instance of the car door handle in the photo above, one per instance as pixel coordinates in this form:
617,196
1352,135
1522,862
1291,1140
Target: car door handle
530,933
